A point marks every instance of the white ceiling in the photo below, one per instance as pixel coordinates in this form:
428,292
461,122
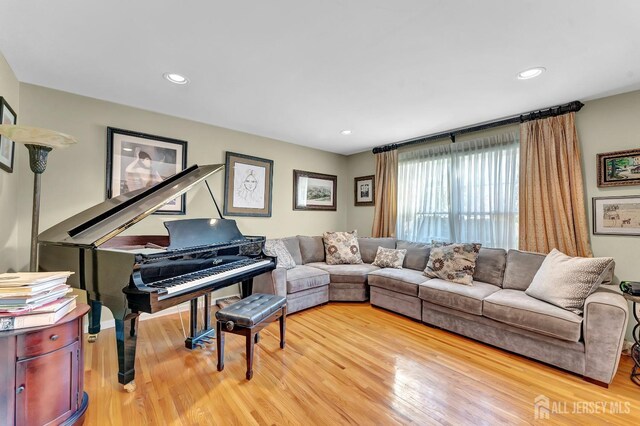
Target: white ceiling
302,71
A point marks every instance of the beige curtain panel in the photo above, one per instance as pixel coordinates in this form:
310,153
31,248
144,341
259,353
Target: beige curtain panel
552,208
386,207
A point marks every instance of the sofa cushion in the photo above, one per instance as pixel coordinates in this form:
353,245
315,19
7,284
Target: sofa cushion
453,262
465,298
521,268
304,277
346,273
341,248
490,266
515,308
404,281
277,249
417,254
369,247
293,246
389,258
566,281
311,249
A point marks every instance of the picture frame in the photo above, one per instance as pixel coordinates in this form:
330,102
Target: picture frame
364,188
138,160
616,215
314,191
7,146
248,185
618,168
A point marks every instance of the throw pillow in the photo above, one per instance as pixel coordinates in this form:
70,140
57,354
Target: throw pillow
389,258
277,249
566,281
341,248
453,262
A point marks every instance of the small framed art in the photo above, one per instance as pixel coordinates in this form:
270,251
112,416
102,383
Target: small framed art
137,160
248,184
314,191
7,146
619,168
616,215
364,187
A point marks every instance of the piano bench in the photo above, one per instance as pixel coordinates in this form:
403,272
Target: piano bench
246,318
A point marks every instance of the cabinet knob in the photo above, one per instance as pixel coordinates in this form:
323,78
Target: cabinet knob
54,337
20,389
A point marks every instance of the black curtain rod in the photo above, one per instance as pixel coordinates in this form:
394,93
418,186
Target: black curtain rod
574,106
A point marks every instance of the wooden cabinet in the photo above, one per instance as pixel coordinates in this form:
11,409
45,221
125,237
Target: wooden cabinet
42,372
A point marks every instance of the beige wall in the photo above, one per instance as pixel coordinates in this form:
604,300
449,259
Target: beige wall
9,89
360,217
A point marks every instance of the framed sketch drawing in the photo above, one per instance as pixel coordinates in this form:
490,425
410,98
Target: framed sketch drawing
7,146
137,160
616,215
314,191
364,190
619,168
248,184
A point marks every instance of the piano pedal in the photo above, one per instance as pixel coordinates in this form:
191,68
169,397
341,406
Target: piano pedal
92,338
130,387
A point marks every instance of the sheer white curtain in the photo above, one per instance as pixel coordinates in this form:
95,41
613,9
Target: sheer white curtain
462,192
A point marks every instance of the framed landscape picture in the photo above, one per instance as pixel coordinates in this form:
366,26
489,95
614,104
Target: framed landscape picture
616,215
365,189
314,191
137,160
248,184
619,168
7,146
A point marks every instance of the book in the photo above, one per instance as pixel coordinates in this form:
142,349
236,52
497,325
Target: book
30,290
21,279
39,309
40,298
36,319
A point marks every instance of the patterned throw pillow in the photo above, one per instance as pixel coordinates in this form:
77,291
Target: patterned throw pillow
341,248
277,249
453,262
389,258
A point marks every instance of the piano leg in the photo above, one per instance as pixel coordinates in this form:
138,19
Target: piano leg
126,342
94,319
246,288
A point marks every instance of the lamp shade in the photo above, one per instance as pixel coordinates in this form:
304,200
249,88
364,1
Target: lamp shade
36,136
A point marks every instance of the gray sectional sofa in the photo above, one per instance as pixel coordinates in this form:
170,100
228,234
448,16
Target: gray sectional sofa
494,310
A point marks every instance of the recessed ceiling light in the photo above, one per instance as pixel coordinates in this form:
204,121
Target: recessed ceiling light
531,73
175,78
345,132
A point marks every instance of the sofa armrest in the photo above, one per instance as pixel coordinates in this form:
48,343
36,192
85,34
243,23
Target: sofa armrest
606,314
272,282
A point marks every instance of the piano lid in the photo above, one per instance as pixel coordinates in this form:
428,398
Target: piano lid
104,221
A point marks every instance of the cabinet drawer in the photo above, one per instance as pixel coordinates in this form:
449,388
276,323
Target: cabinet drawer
43,341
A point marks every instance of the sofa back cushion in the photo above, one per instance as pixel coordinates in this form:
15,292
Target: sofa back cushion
311,249
292,245
490,266
417,254
369,247
521,268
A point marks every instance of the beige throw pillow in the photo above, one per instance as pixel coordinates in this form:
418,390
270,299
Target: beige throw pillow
389,258
276,248
567,281
453,262
341,248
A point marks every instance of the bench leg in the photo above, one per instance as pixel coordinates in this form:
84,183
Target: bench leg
257,338
283,325
250,340
220,344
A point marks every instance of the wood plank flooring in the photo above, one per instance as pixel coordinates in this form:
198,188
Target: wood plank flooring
343,364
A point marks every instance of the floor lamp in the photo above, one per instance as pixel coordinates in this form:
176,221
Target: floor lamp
39,142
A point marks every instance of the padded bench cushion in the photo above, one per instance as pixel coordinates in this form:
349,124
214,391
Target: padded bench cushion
404,281
356,273
465,298
515,308
304,277
251,310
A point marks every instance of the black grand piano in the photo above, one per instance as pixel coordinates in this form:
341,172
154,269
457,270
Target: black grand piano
135,274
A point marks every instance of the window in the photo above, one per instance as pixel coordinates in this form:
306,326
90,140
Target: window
462,192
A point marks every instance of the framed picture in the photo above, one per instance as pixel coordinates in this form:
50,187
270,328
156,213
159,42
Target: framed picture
137,160
364,187
616,215
619,168
7,146
314,191
248,183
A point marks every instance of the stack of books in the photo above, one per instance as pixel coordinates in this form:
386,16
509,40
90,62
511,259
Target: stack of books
34,299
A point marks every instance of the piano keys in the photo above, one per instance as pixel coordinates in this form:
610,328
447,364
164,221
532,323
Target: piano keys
135,274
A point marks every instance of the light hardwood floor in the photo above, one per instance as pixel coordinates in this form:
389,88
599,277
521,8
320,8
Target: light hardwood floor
343,364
